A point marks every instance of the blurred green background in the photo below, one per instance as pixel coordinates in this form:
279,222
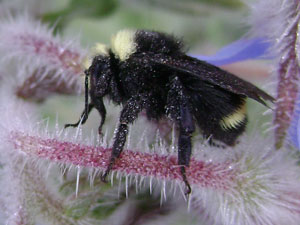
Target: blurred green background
205,25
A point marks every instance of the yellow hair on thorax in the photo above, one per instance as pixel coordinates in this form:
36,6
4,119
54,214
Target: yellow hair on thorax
123,44
236,118
97,49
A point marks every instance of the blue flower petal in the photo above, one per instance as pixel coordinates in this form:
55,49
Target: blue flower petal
243,49
294,130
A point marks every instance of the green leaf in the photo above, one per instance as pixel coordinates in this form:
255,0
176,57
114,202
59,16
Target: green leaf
79,8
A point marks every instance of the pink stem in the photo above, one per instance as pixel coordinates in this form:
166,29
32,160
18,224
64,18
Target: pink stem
55,53
199,173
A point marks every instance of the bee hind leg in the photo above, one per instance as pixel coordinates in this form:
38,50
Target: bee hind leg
179,109
186,129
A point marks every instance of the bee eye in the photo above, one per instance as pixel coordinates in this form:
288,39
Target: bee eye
98,65
98,68
104,67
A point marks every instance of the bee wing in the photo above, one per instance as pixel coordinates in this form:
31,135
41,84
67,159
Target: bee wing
187,65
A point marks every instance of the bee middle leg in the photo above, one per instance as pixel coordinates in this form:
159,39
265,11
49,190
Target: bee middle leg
128,114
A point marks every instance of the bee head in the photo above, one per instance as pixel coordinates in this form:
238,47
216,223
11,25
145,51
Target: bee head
100,73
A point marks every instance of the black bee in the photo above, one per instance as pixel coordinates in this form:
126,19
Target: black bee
147,70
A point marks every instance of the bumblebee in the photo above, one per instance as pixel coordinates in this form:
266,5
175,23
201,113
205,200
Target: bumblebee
150,71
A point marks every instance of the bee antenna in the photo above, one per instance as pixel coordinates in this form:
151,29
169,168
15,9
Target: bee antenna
86,82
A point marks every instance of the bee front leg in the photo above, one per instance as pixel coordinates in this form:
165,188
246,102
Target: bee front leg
128,114
83,118
99,105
